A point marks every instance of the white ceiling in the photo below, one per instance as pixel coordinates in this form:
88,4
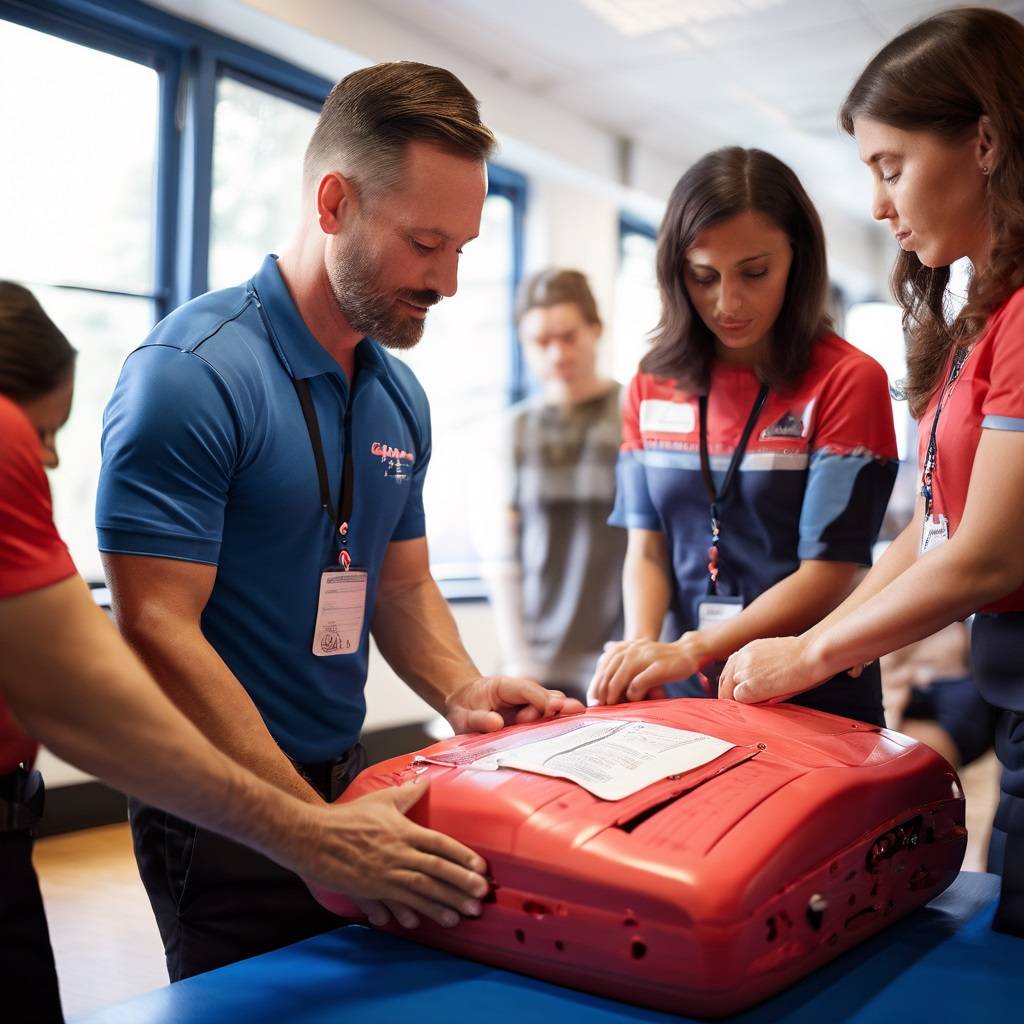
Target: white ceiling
683,76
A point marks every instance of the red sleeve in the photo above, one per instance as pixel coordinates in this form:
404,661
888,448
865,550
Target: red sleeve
631,438
854,413
1004,402
32,555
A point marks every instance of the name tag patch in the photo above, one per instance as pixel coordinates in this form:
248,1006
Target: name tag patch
660,417
713,611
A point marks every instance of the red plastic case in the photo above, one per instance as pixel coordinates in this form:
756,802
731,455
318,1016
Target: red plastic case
703,893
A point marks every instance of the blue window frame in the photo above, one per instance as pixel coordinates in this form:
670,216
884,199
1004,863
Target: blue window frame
513,187
637,303
190,61
632,225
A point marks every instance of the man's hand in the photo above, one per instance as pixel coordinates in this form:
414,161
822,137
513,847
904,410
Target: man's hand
768,671
636,669
490,703
371,852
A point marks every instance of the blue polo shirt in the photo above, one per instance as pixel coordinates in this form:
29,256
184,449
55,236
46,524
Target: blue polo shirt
207,458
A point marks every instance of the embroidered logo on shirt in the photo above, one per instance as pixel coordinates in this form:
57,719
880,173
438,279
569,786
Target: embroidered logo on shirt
788,425
792,423
396,461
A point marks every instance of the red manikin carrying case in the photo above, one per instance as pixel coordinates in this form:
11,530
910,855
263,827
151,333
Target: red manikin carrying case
702,893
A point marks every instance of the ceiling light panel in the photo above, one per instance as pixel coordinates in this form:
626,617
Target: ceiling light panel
642,17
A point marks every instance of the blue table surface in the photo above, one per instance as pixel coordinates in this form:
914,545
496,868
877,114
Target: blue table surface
942,963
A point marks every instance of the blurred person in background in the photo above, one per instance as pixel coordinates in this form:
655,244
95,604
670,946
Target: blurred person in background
929,694
552,563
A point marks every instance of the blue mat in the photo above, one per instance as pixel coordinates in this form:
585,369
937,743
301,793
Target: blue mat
942,963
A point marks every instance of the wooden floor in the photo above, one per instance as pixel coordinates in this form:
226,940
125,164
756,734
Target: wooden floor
101,927
106,942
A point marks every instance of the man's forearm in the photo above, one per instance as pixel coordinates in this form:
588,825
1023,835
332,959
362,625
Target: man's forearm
422,644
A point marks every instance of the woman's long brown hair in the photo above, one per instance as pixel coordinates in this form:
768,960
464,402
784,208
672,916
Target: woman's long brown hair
721,185
942,75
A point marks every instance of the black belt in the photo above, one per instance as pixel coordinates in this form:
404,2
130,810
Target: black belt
331,778
21,799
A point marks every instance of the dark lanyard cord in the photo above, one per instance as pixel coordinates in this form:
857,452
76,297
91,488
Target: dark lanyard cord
341,520
714,496
928,471
301,385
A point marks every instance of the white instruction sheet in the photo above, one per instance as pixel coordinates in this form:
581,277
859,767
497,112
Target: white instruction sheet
611,759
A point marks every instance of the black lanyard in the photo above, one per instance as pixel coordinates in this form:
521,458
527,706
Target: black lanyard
716,497
928,470
344,513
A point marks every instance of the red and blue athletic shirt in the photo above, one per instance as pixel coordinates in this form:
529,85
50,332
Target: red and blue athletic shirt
988,394
32,555
813,484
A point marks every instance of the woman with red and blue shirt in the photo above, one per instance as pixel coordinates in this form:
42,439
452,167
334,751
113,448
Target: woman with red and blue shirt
758,447
938,116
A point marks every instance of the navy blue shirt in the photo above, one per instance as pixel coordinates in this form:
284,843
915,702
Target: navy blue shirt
207,458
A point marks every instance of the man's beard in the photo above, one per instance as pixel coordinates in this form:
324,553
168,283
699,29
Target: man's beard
353,278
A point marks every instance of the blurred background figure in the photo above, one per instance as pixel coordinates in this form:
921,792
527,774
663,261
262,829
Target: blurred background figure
929,694
553,565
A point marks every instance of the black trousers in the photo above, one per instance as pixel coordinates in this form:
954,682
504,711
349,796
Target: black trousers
997,662
216,901
28,978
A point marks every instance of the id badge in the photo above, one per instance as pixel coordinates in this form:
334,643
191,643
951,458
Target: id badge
934,532
339,612
713,611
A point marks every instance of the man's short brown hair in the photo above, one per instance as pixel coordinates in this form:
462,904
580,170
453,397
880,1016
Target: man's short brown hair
372,114
552,287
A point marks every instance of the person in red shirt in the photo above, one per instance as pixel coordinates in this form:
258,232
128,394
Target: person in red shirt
758,453
69,680
938,116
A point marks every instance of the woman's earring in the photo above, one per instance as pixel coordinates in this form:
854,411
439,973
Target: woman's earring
984,170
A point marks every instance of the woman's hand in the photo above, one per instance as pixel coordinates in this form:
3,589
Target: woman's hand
768,671
636,669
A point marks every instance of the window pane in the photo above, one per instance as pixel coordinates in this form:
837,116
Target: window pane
463,364
877,328
79,131
258,144
104,329
637,306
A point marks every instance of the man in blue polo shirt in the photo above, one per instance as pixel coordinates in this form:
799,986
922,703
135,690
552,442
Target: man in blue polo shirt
260,503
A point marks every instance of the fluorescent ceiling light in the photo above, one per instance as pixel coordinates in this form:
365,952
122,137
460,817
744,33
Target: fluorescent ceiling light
643,17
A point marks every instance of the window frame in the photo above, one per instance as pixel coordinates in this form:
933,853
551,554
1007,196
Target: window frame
190,59
630,224
514,187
